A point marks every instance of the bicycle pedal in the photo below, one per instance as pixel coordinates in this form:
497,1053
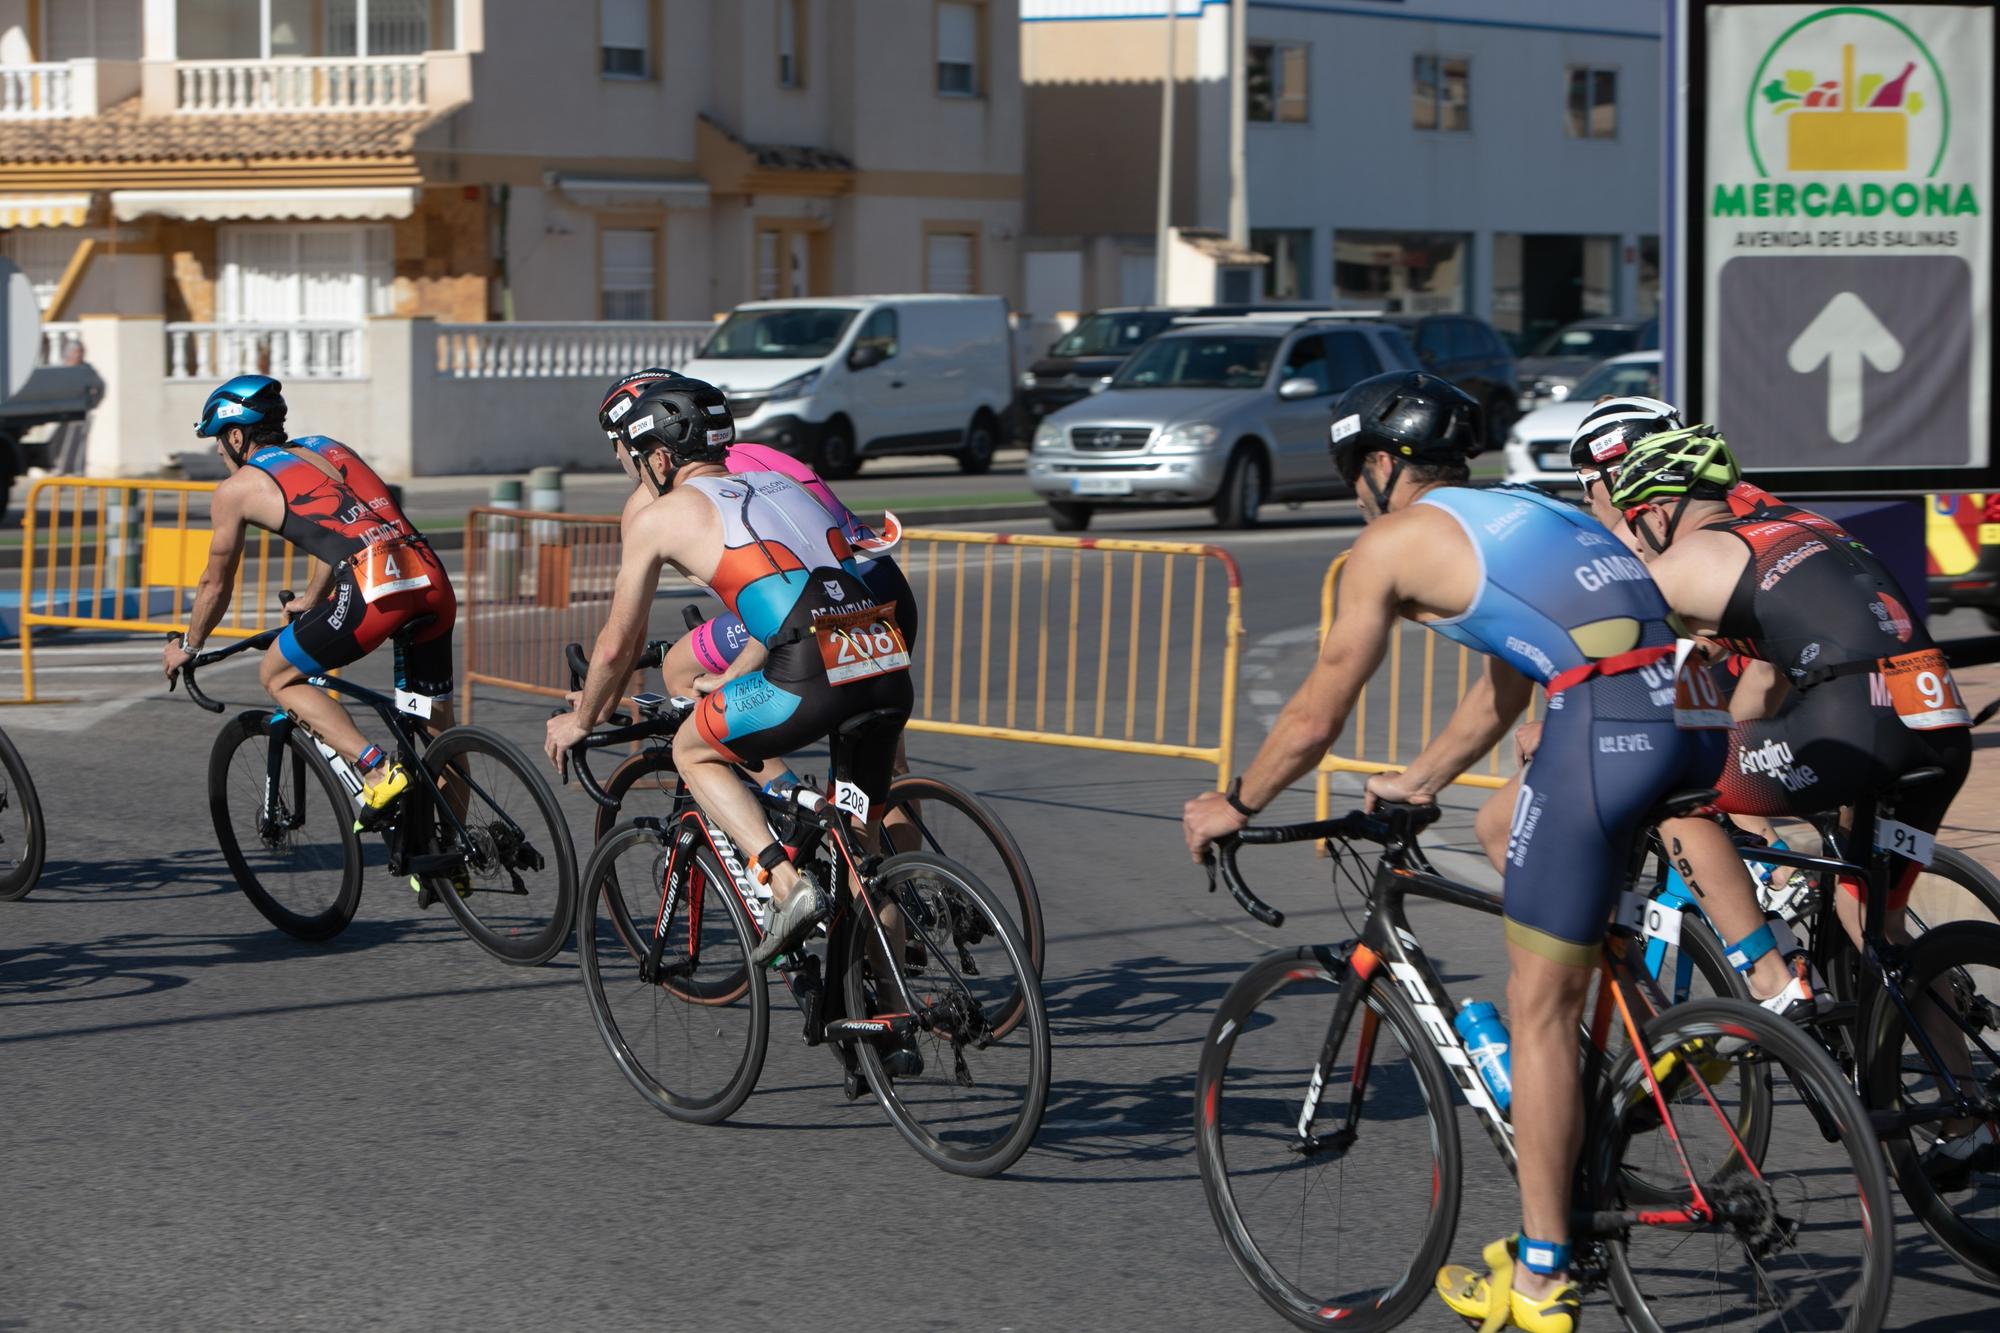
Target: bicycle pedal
426,897
854,1084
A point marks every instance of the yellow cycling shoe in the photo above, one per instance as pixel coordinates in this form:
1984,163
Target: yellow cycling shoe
377,797
1489,1302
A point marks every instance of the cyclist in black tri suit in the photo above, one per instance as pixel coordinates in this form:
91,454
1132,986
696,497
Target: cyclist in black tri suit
379,579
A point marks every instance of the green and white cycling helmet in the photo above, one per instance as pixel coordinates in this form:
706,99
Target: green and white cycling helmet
1693,462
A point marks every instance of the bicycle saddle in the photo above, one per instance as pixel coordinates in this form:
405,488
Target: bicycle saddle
1915,778
864,725
1683,803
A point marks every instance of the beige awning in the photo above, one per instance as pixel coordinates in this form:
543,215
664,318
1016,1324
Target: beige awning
352,204
44,210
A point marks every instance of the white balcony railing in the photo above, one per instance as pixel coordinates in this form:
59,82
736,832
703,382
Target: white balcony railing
36,92
552,350
389,83
57,339
287,351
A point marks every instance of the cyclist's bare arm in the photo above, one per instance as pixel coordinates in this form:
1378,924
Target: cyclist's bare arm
1493,704
618,643
225,555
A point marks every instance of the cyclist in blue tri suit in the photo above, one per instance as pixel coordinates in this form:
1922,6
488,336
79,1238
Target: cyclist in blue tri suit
1551,599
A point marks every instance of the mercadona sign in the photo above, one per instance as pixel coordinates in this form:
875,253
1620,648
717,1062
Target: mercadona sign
1842,207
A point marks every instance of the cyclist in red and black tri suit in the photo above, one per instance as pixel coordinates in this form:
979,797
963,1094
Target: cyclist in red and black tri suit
379,579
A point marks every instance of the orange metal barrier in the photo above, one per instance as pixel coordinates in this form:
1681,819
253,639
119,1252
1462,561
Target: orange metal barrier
1088,643
127,555
1385,741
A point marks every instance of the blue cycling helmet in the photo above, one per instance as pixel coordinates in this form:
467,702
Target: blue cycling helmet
247,400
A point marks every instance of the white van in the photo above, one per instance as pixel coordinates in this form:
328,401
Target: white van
838,380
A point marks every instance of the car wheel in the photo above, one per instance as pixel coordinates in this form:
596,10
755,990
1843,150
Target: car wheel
976,455
1241,499
838,458
1069,517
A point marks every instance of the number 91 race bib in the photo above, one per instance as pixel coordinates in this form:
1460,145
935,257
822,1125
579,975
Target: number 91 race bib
858,644
1922,691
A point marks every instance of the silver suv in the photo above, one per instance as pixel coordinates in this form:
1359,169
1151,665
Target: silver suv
1226,413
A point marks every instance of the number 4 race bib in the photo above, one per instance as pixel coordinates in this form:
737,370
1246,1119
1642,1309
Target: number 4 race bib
1922,691
860,644
389,567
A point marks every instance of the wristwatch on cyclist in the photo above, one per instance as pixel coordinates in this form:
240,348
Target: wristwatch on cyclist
1235,798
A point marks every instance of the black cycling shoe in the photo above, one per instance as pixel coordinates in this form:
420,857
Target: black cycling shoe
1950,1164
905,1059
789,925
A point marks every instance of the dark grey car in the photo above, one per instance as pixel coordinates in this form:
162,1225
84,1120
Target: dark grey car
1567,355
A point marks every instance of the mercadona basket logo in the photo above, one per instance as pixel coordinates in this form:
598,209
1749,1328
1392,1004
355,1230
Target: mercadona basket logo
1848,115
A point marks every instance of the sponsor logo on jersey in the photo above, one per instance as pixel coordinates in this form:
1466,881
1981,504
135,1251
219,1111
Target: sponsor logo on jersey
1611,569
1527,814
1787,562
340,604
1809,654
1522,648
1774,759
1504,523
833,589
1891,617
1585,537
1633,742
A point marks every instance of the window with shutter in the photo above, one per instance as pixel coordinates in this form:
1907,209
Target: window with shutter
626,282
950,262
958,49
625,33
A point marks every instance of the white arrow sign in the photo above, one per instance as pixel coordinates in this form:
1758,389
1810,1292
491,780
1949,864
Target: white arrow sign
1842,335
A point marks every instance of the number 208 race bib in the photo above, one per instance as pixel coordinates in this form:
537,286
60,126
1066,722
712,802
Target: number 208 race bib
858,644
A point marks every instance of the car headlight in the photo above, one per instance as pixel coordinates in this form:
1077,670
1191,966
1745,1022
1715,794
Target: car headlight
1559,391
1191,439
797,387
1103,383
1028,380
1048,437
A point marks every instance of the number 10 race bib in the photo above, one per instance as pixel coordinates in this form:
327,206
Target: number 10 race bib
389,567
860,644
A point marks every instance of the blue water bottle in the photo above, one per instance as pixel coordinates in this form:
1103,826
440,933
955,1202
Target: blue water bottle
1486,1041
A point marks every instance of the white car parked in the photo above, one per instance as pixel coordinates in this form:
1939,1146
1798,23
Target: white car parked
1538,446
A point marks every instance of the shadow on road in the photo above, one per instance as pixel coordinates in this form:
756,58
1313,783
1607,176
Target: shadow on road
134,878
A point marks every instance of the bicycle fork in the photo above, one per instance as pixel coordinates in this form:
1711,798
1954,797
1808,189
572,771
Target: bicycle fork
277,816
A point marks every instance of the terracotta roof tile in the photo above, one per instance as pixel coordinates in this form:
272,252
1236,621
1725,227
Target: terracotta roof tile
787,157
121,134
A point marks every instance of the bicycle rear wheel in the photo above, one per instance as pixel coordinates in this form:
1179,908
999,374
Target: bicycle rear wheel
976,1103
519,865
1281,1207
290,843
1957,967
949,821
1803,1233
690,1036
23,836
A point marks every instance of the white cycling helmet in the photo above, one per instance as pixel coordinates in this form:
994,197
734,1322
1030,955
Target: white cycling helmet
1610,429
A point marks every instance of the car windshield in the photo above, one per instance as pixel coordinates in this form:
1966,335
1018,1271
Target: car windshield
1591,342
791,333
1107,335
1219,361
1619,379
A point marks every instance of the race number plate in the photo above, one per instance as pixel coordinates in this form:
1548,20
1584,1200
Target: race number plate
1641,916
1911,843
416,705
860,644
389,567
1922,691
848,797
1698,704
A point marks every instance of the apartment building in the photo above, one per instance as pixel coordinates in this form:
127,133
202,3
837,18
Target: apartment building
1424,155
355,192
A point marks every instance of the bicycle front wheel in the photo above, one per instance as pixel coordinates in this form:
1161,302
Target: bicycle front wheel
972,1097
1951,978
285,826
1800,1234
517,896
1384,1112
23,836
648,779
690,1029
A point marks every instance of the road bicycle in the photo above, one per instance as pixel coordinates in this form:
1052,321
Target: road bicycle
478,826
924,813
1912,1076
1327,1083
23,835
954,1042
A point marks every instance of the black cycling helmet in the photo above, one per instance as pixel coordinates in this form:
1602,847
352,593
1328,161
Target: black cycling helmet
663,409
1412,416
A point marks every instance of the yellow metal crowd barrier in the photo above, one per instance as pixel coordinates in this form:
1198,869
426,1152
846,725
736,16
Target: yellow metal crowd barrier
1128,646
1383,739
127,555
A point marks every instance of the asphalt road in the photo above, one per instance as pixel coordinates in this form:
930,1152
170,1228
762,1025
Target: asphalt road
211,1126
